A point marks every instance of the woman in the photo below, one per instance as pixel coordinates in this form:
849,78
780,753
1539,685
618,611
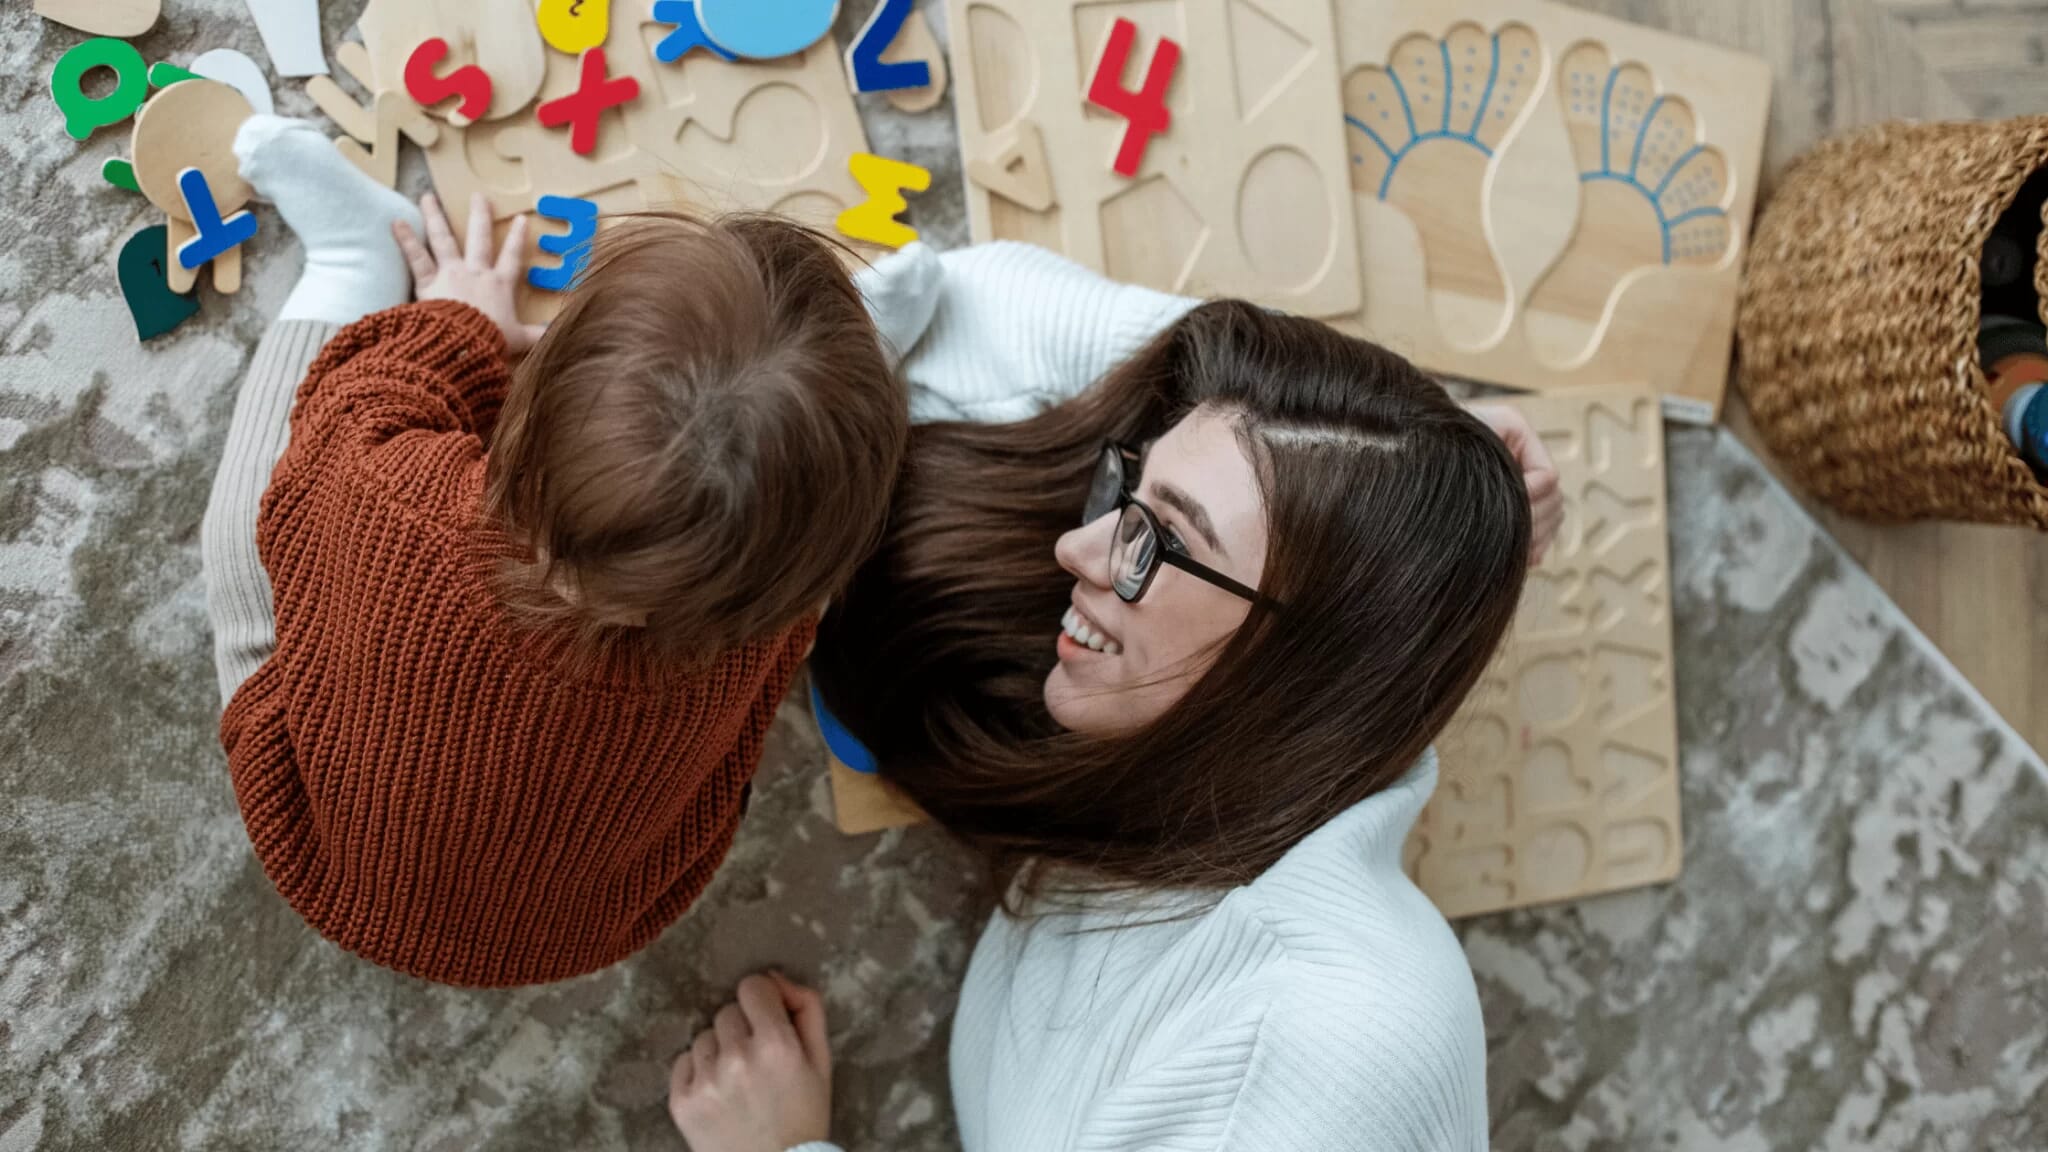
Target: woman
1172,654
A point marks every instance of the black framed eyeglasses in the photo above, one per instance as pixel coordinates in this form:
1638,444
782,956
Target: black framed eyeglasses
1141,545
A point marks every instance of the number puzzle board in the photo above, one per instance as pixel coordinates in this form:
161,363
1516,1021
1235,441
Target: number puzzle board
1549,198
1560,775
704,133
1246,194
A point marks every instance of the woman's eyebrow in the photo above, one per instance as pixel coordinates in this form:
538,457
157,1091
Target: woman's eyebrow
1197,515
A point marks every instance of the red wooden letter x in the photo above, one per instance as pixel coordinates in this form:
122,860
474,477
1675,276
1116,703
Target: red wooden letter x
1146,108
582,108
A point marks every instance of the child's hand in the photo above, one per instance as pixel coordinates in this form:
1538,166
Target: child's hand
446,274
760,1079
1539,473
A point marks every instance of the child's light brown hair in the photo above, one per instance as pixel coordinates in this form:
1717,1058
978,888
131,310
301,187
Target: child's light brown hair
702,448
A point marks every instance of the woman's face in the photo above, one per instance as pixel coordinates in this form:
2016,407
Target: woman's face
1123,665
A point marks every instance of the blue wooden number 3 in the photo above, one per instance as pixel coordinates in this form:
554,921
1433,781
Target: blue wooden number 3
573,247
864,59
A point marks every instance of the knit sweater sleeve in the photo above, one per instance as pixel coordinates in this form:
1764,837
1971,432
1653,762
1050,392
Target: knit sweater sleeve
1018,328
437,366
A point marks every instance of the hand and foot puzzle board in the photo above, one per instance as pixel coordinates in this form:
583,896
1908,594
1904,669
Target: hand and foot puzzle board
1548,198
1540,197
1560,775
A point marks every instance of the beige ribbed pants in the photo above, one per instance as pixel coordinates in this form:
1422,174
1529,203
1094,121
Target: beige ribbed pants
237,587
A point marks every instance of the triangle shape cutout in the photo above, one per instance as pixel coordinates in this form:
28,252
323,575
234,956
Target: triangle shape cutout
1267,56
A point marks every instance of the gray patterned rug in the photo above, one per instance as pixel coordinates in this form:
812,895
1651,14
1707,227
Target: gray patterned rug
1852,960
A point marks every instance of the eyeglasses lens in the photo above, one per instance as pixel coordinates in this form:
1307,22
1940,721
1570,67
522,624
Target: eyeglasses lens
1105,488
1136,548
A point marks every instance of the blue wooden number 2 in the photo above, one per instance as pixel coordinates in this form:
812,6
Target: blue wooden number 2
573,247
864,59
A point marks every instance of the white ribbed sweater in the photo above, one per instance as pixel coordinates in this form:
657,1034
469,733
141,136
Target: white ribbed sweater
1325,1007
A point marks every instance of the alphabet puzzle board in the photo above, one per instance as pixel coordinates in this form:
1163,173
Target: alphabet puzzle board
1246,194
766,135
1560,775
1548,198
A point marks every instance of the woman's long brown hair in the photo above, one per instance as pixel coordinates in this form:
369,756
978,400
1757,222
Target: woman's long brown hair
1398,533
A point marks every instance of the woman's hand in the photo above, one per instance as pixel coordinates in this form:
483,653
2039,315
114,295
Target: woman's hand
1539,473
759,1079
440,270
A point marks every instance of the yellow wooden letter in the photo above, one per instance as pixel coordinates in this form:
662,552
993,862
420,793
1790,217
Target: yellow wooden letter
885,181
574,26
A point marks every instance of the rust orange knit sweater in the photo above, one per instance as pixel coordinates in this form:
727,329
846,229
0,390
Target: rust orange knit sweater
421,780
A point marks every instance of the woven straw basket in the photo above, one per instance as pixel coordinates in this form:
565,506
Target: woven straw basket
1858,322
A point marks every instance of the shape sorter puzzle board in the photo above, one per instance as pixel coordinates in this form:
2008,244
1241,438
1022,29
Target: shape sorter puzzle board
770,135
1549,198
1247,193
1560,774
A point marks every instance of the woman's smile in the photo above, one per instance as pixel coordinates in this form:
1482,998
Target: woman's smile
1083,636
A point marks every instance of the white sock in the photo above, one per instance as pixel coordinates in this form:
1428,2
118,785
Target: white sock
902,291
353,266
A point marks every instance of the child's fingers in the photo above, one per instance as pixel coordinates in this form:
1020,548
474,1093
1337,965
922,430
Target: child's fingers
703,1055
479,232
416,258
761,999
732,1028
514,250
807,1012
439,235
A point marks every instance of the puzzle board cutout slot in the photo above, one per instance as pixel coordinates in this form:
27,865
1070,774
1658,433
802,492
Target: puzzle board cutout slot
1560,774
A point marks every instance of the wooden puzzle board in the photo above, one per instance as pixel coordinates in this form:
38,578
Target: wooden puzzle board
1548,198
1247,194
863,804
1560,775
704,133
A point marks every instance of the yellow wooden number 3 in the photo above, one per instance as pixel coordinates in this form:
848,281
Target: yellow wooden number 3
885,181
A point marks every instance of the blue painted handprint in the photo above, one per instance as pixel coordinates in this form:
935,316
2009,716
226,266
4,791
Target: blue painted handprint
1425,130
1650,194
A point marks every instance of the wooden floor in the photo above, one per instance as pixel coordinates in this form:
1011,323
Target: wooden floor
1981,594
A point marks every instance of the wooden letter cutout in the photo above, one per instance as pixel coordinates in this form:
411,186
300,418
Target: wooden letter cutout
573,27
573,246
470,82
1145,108
864,59
214,235
874,220
583,109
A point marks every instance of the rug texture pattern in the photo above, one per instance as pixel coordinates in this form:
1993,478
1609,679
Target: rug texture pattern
1852,959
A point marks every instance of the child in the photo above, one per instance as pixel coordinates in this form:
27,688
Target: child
531,623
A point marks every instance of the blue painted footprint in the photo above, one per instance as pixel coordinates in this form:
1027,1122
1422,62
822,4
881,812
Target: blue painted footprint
1424,133
1651,194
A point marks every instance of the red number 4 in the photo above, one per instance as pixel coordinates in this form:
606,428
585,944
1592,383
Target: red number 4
1146,108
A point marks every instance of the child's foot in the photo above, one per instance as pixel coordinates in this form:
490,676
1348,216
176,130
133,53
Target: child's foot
353,266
